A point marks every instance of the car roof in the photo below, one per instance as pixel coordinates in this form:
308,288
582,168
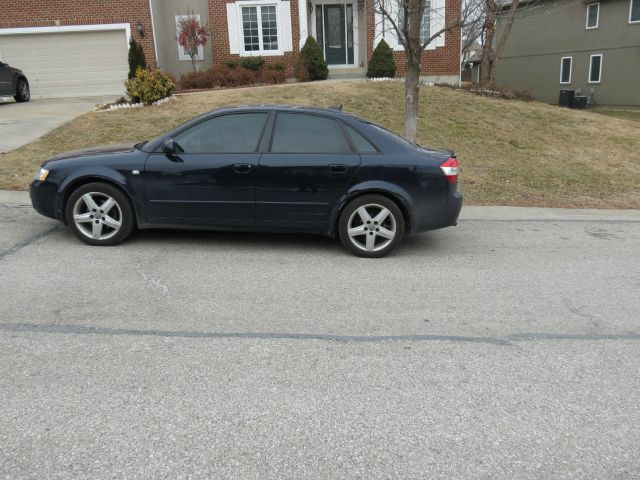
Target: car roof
333,110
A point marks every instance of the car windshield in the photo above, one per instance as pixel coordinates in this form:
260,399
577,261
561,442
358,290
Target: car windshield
395,136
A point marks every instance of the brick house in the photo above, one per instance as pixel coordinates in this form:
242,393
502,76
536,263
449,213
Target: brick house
79,47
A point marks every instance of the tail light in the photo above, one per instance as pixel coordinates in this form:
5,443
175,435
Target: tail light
450,168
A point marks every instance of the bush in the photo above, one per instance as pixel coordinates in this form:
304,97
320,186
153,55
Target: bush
271,76
136,58
231,64
311,65
149,86
277,66
252,63
382,63
194,80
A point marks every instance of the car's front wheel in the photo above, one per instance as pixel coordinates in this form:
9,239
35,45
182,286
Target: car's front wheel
23,93
99,214
371,226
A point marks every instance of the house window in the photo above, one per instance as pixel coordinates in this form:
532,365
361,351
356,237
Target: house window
260,28
595,68
634,11
593,15
565,70
183,53
425,25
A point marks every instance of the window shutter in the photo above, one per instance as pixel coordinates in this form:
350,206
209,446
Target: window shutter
232,26
285,18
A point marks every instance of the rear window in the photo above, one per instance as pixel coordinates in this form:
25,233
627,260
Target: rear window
362,144
393,136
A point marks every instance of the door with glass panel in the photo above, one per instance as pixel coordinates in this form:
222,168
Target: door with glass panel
334,32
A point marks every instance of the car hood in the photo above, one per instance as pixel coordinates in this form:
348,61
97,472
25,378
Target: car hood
93,151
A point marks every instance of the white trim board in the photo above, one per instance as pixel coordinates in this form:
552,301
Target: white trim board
69,28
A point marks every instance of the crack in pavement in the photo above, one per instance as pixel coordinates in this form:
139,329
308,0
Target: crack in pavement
493,340
25,243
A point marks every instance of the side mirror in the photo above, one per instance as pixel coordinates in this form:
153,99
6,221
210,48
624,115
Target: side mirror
169,147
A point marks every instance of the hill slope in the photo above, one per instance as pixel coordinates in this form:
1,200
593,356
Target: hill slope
512,153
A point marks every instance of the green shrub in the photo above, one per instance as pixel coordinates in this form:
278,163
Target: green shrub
149,86
277,66
252,63
136,58
311,64
231,64
382,63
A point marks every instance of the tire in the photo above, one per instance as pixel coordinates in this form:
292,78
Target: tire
99,214
23,93
366,239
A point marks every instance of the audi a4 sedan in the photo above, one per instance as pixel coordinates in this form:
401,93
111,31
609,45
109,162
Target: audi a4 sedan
257,168
14,83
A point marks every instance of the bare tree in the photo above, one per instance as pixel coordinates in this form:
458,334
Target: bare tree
493,42
404,18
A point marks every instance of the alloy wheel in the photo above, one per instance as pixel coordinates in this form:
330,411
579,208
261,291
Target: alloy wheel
97,216
371,227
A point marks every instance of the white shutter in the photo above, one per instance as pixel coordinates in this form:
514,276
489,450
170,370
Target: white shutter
285,18
232,26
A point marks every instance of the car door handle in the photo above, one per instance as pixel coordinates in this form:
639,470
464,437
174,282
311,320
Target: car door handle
242,167
338,168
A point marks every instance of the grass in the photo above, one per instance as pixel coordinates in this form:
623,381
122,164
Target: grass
512,153
624,114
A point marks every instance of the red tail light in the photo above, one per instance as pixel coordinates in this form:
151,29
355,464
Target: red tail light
450,168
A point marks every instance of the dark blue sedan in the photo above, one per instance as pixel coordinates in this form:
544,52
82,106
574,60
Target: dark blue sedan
257,168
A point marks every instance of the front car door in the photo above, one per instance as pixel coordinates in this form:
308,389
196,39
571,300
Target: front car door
210,180
304,173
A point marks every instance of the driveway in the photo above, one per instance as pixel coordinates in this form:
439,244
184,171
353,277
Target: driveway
506,347
21,123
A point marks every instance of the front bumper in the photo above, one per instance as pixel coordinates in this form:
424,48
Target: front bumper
44,198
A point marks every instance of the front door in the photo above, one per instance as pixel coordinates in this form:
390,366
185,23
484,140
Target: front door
210,179
334,30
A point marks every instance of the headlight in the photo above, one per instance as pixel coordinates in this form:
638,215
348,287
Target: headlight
41,174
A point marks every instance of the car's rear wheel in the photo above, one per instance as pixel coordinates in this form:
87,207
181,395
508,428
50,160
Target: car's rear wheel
99,214
371,226
23,93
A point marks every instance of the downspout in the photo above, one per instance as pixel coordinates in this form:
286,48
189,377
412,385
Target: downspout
153,33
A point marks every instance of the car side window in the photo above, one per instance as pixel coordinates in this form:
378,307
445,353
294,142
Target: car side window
362,144
235,133
303,133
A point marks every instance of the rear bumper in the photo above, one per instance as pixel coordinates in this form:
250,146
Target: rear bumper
446,216
43,198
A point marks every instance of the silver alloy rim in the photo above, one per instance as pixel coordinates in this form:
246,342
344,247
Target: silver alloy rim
97,216
371,227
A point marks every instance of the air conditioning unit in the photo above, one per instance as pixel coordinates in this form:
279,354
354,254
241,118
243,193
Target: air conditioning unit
566,98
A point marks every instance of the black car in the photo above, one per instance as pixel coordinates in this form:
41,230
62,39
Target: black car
14,83
257,168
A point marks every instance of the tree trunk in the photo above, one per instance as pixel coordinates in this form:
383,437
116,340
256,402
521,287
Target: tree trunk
487,67
411,97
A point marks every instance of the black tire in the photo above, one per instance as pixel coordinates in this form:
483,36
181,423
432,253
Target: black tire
121,212
23,92
373,206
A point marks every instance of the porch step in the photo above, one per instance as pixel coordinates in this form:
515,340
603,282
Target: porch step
348,72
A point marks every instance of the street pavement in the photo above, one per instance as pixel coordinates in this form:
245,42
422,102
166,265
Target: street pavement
505,347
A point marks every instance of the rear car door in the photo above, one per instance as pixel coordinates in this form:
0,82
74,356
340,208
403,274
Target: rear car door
304,172
211,181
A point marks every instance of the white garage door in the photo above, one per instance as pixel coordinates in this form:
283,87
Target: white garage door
69,64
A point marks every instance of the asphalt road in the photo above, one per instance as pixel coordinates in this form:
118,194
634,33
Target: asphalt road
507,347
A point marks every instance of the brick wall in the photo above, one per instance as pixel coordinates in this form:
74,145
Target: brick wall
46,13
441,61
220,36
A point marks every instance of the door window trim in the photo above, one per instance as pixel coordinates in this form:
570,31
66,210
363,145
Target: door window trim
562,70
591,57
